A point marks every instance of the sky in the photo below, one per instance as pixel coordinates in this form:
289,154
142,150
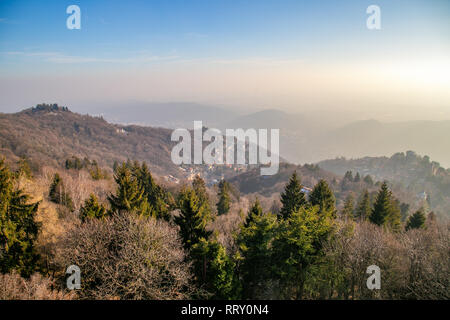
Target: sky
290,55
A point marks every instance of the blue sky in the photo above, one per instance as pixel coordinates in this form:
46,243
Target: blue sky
133,37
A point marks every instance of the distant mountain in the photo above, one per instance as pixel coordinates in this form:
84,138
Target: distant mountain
167,115
271,119
304,138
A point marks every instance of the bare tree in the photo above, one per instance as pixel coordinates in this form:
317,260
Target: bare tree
127,257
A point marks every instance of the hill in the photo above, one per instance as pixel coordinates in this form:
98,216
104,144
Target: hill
417,174
49,134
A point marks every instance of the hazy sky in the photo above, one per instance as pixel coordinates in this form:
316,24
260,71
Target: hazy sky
291,55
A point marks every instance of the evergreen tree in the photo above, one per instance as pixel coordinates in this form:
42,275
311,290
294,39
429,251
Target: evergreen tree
322,196
18,229
298,245
363,207
192,219
199,186
348,210
417,220
58,194
368,180
92,209
24,168
293,198
255,210
394,220
95,172
214,269
156,196
382,207
348,176
223,206
255,244
357,177
130,194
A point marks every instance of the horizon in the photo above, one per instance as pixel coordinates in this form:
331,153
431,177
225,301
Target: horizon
292,56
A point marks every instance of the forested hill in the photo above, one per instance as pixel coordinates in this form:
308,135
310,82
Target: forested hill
49,134
418,174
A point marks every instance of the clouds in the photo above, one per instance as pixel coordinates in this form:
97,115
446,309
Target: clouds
62,58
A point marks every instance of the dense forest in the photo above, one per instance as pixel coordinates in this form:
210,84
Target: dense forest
304,233
132,238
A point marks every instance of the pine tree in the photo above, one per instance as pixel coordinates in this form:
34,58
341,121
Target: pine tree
255,244
223,206
199,186
92,209
95,172
357,177
348,176
130,194
394,220
417,220
368,180
214,269
255,211
298,245
348,210
58,194
363,208
156,196
192,219
293,198
322,196
18,229
382,207
24,168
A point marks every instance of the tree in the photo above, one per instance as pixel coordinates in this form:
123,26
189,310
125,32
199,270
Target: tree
223,206
293,198
128,257
348,176
58,194
416,220
95,172
357,177
322,196
255,210
92,209
192,219
18,229
255,255
382,207
362,211
130,194
394,220
199,186
348,210
297,246
24,168
214,269
156,196
368,180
